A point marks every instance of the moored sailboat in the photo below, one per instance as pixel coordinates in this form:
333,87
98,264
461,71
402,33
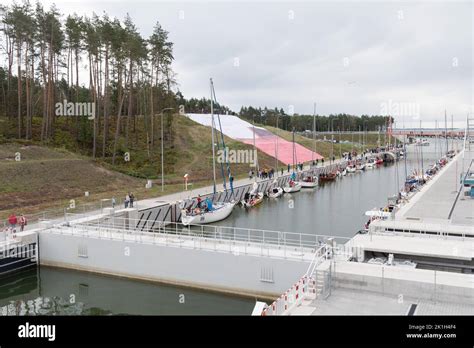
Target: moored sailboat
209,211
309,181
292,186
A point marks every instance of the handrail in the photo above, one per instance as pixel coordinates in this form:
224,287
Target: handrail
274,238
176,226
319,255
248,247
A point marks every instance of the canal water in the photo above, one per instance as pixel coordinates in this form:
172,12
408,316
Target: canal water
335,209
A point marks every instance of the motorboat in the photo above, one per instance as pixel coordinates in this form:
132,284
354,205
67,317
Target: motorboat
218,212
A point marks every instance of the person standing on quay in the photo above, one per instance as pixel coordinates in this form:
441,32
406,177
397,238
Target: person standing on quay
22,222
127,200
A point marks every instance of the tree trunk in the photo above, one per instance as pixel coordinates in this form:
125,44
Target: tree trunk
106,103
18,57
152,114
130,91
27,90
119,113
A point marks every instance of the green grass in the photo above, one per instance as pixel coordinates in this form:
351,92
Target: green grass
47,177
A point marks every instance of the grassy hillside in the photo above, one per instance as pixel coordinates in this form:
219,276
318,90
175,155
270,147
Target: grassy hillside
48,177
189,152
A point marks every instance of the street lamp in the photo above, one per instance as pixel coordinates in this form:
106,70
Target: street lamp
162,151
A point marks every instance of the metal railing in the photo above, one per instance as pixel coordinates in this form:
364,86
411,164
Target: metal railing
229,233
320,256
218,238
443,231
57,215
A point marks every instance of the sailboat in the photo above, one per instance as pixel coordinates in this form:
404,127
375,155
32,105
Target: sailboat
209,211
252,198
311,181
293,185
274,191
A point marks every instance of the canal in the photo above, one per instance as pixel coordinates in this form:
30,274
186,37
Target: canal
335,209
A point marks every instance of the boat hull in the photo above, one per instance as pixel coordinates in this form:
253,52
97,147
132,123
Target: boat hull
275,194
305,184
254,201
218,214
289,189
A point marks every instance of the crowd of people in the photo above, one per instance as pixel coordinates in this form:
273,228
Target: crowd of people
263,173
202,206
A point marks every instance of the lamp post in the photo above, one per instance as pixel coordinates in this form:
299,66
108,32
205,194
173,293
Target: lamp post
162,151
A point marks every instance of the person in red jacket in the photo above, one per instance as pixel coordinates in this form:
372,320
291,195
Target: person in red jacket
12,220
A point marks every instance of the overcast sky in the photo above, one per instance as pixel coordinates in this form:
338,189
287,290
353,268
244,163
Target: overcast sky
353,57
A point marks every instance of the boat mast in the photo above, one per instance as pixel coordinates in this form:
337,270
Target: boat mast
340,138
352,143
276,146
314,133
405,150
452,132
294,151
332,140
255,148
213,142
446,130
421,154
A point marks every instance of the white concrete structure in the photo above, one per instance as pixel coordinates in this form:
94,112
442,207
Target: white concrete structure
260,265
419,263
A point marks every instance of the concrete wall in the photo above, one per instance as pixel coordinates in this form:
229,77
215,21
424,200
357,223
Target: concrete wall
224,272
407,288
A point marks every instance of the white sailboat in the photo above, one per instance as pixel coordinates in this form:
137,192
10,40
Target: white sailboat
274,191
371,164
213,212
309,182
351,168
292,186
253,197
219,212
